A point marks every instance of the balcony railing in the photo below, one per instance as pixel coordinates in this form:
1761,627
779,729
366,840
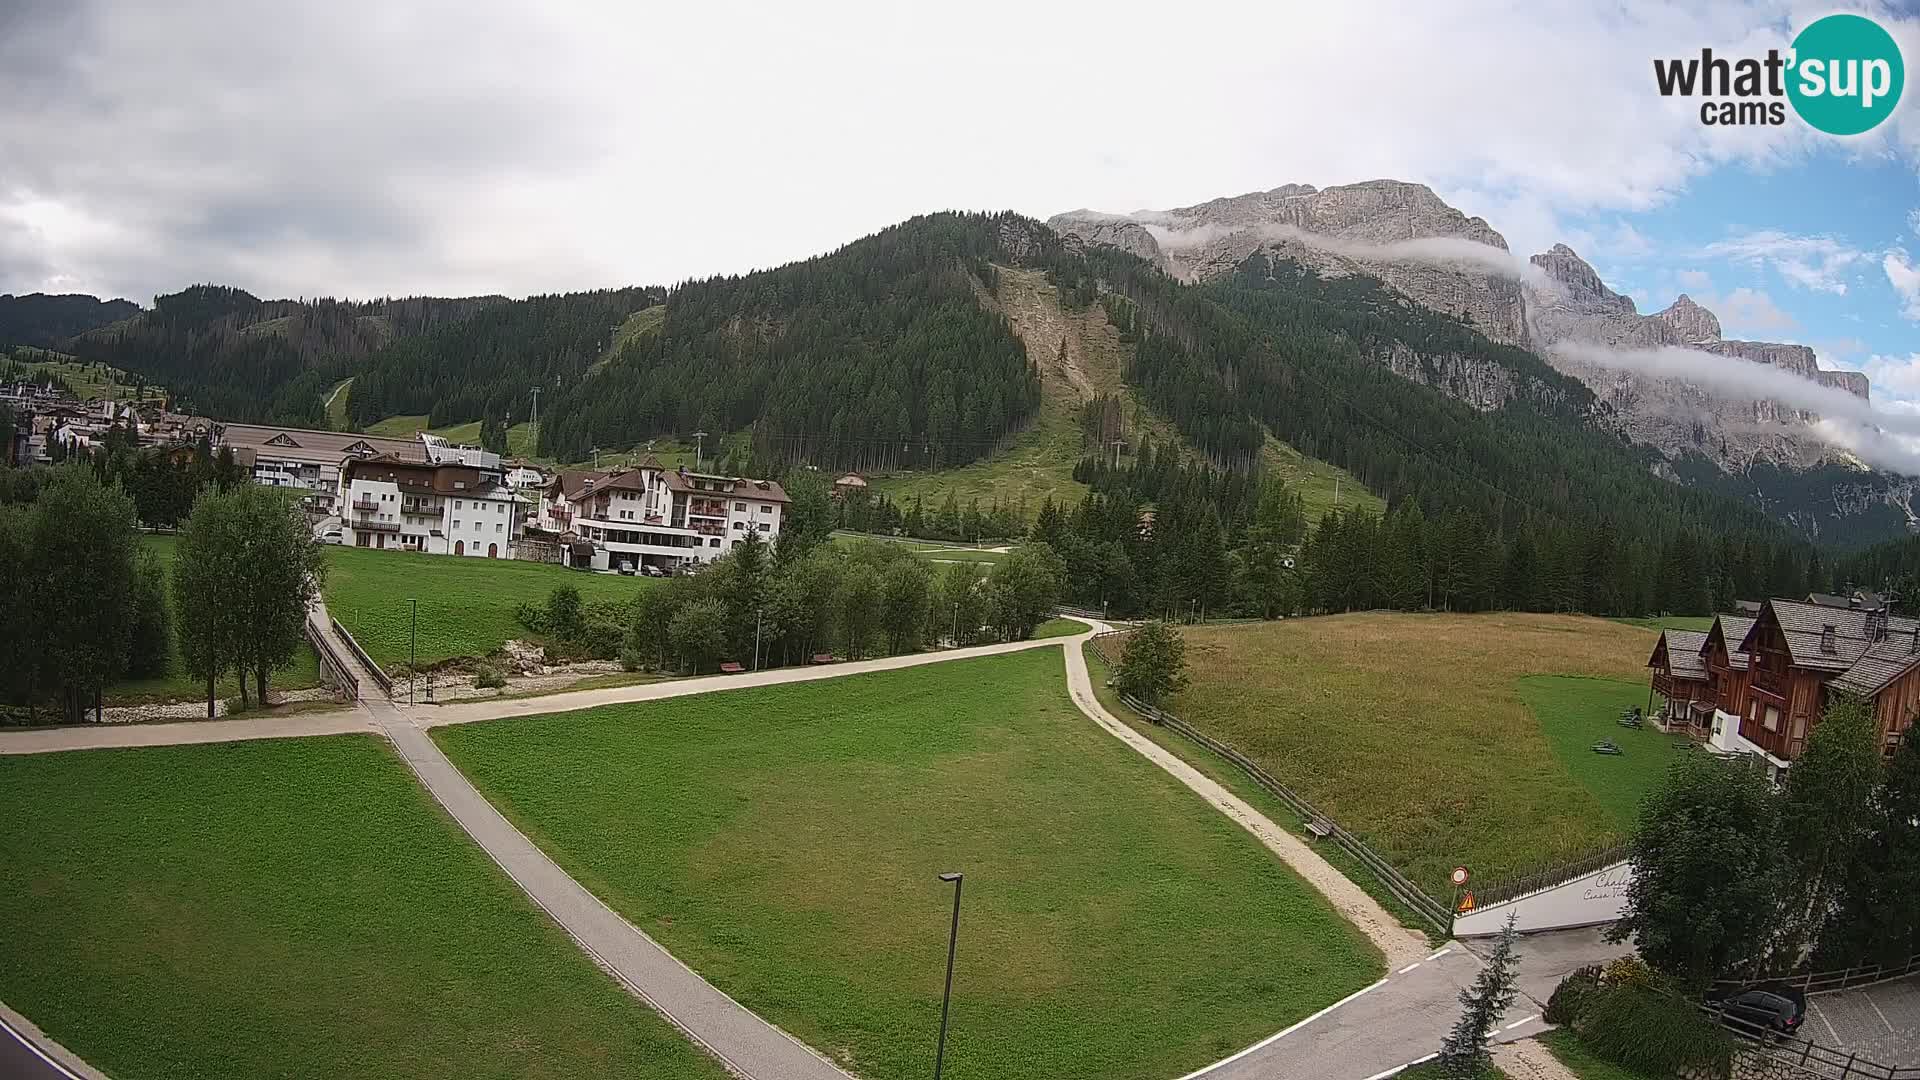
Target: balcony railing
362,502
367,525
1772,682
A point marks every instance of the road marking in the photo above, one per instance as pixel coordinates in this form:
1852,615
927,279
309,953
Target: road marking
1398,1069
1824,1022
1277,1036
1517,1023
1868,994
1409,967
1441,953
37,1052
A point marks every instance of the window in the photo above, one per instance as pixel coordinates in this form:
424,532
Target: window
498,527
738,525
742,507
765,509
1772,719
456,523
764,527
715,542
458,505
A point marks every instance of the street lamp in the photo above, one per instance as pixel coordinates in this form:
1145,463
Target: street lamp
413,635
946,1000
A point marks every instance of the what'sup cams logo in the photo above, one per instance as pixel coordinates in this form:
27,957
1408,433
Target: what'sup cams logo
1843,76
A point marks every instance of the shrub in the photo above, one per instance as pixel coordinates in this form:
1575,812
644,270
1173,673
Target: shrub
1571,998
488,677
1652,1032
235,706
532,616
631,658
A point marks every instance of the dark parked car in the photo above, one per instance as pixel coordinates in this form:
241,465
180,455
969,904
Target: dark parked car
1772,1006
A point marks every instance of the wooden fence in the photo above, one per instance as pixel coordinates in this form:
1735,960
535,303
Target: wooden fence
373,669
1808,1056
332,663
1399,885
1836,979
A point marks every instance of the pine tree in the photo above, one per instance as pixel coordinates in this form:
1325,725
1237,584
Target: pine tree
1464,1053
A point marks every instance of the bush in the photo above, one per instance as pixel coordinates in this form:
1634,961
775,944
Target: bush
532,616
631,658
488,677
235,706
1571,998
1656,1033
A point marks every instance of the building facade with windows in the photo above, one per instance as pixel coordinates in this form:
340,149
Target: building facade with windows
444,508
310,461
666,519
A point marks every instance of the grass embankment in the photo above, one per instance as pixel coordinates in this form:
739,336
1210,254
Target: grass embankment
466,605
1234,779
291,907
1415,732
1702,623
1582,1062
176,685
785,842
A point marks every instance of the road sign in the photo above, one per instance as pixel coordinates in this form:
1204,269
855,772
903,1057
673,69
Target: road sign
1459,875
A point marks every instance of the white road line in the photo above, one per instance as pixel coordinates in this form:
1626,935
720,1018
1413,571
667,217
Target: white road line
1517,1023
1277,1036
1876,1009
1409,967
1441,953
1824,1022
1398,1069
37,1052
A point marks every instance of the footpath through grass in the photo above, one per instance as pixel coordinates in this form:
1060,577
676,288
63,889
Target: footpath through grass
785,842
466,605
290,908
1413,730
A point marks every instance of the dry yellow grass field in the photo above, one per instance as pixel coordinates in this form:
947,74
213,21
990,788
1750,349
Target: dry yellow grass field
1411,729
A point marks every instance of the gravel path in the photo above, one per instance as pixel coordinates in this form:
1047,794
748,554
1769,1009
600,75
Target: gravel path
1401,945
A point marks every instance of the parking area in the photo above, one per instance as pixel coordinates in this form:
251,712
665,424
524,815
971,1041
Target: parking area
1879,1023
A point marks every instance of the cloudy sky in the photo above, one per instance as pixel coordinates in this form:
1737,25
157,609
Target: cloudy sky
382,149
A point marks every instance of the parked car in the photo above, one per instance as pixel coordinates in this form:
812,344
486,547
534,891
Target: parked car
1773,1006
652,571
626,568
333,536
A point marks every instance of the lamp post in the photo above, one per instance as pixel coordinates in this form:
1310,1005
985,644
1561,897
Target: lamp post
756,639
413,636
956,625
946,999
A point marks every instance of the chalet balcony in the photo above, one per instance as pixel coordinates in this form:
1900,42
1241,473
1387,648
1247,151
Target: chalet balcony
1770,682
365,502
369,525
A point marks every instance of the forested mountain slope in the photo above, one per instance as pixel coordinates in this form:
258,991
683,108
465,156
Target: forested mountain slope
877,355
227,353
47,321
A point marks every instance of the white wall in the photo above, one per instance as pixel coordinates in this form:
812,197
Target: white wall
1599,897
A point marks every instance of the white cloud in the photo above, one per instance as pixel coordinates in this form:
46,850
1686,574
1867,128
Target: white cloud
1695,279
1818,263
299,151
1894,378
1905,279
1747,312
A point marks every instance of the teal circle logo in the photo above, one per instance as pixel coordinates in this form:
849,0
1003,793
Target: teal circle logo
1847,74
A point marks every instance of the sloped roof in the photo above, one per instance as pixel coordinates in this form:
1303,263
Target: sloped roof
1880,665
1681,651
303,444
1731,630
737,487
1804,625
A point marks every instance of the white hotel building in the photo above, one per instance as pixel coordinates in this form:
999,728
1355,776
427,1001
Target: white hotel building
665,518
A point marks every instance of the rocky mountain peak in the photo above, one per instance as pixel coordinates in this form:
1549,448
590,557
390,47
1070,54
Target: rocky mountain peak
1691,323
1580,283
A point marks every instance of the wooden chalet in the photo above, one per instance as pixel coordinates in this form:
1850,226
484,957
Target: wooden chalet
1680,676
1799,653
1727,670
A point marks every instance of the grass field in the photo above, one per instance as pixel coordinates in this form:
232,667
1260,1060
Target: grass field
89,381
1234,779
466,605
1059,628
784,841
1415,732
1701,623
1576,712
398,427
290,908
336,405
933,550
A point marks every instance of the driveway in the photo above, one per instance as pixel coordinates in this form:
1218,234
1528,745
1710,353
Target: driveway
1879,1023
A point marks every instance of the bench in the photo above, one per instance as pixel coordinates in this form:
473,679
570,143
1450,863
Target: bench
731,668
823,658
1321,828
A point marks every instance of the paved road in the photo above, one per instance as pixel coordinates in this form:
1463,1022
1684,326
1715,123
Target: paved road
749,1045
27,1054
